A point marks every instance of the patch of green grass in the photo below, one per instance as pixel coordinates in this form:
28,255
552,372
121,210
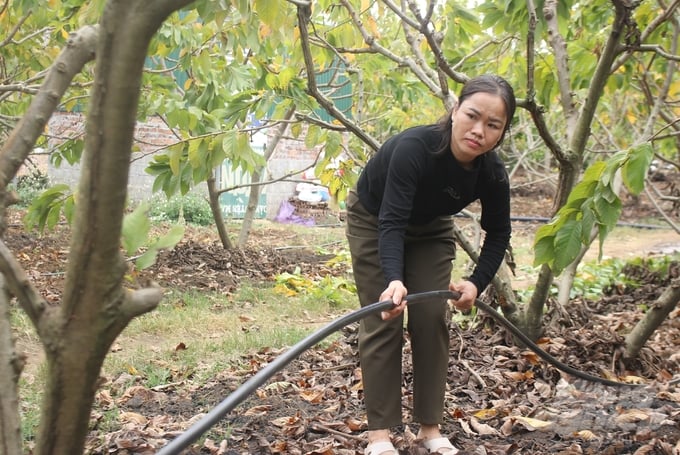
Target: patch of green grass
196,335
30,389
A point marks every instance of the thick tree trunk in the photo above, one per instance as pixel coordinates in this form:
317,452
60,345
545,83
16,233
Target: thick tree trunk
80,49
656,314
533,312
96,307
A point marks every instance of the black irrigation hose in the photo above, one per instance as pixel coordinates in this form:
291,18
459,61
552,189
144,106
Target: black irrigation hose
542,219
248,387
181,442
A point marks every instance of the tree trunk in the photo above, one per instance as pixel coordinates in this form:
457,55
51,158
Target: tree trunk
256,188
251,208
533,313
80,49
96,307
214,197
10,422
656,314
502,281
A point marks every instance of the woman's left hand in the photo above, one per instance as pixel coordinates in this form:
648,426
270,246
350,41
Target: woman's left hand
468,294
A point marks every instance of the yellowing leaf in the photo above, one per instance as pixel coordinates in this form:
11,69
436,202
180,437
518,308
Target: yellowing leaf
372,27
312,396
485,414
284,290
265,30
132,417
586,435
531,424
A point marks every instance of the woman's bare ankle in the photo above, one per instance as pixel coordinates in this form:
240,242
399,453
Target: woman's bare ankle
378,435
427,432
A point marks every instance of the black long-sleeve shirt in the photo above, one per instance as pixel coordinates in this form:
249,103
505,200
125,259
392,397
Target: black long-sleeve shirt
406,182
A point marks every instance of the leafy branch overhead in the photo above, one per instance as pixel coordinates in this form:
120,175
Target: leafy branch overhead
593,207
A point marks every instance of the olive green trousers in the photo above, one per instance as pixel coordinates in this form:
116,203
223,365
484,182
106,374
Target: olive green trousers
428,255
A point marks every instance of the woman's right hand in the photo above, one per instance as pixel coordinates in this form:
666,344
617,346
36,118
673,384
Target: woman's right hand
396,291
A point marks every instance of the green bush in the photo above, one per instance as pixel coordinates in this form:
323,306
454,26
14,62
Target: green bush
193,208
29,186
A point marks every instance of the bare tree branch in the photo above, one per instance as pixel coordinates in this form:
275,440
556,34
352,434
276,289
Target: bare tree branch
665,15
662,212
530,104
562,67
662,96
304,17
79,50
370,40
17,281
12,33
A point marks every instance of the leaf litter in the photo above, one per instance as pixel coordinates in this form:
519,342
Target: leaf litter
500,398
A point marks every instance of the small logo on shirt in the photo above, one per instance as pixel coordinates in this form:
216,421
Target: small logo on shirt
451,192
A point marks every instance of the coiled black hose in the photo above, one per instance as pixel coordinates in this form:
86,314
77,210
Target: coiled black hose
175,446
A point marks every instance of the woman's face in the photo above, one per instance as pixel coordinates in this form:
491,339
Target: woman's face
478,124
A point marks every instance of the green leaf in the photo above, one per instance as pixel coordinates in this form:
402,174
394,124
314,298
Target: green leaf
549,229
313,136
567,245
588,221
635,168
608,210
44,211
333,143
544,251
166,241
146,260
136,226
582,191
594,171
53,215
170,238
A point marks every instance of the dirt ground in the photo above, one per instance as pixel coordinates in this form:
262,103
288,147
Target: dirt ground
501,399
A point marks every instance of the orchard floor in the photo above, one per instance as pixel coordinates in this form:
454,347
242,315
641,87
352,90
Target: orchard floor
500,398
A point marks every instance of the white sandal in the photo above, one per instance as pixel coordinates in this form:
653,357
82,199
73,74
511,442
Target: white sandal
436,445
380,447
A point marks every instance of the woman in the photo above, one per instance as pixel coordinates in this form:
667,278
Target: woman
399,229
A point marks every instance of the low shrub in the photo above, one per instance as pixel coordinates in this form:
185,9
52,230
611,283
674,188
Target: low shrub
29,186
192,208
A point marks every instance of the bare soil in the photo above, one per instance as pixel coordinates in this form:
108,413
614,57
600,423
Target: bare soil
501,398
